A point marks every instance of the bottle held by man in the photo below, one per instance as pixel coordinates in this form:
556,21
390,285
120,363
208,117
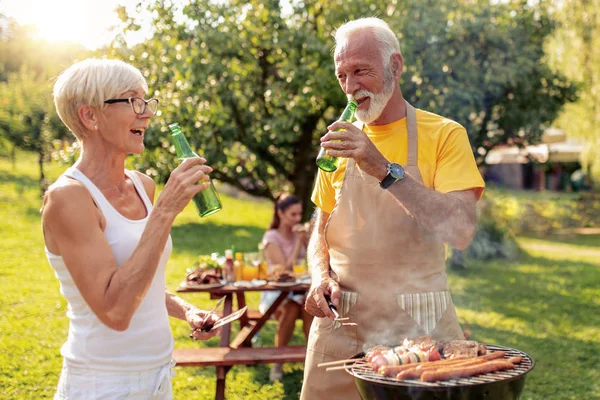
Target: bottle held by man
207,201
329,163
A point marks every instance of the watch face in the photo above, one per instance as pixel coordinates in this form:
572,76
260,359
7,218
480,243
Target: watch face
397,171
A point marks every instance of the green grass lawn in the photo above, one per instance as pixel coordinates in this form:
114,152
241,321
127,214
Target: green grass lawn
547,303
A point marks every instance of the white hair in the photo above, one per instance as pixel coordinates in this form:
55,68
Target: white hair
388,42
91,82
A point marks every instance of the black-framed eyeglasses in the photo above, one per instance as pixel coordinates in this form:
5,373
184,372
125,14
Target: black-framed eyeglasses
138,105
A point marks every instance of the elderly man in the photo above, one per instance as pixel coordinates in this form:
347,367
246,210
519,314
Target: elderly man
407,183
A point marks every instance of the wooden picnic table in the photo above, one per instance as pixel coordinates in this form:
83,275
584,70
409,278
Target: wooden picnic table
239,351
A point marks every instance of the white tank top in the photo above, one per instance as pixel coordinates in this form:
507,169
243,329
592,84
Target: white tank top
148,342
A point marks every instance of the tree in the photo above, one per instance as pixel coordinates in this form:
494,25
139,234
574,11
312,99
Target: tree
573,50
28,119
27,67
252,82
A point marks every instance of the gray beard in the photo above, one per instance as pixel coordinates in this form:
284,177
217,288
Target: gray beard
378,100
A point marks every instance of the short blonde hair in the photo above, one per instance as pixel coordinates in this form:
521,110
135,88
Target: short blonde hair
388,42
91,82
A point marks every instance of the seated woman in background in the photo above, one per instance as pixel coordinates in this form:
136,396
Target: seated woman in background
285,243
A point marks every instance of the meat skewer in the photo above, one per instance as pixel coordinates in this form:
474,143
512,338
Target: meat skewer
411,351
339,362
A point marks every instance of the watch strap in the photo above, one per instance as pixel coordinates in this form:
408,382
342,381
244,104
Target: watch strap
387,181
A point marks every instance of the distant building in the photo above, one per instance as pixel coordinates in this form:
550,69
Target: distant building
549,165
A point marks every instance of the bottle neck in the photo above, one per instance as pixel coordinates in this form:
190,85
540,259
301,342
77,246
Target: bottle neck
182,147
348,114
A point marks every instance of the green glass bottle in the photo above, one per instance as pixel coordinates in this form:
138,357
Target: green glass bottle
329,163
207,201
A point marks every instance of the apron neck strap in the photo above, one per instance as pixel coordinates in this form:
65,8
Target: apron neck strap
411,119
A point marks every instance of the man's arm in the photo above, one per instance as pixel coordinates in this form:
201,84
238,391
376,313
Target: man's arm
317,253
318,261
450,215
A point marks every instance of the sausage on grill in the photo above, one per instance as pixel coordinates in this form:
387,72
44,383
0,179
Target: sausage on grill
444,374
417,372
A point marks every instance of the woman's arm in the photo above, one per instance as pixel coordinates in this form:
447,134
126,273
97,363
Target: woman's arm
181,309
73,229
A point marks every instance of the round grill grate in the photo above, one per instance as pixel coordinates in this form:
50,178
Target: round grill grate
362,370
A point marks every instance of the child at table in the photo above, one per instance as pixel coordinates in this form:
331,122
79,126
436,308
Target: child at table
284,243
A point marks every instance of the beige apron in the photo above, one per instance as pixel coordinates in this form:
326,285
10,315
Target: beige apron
391,273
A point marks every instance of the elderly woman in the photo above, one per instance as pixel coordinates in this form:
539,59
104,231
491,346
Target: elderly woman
109,242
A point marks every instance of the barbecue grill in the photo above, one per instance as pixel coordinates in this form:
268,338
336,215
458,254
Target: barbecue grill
501,385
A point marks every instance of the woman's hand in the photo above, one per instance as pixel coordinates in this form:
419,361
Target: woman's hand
187,180
315,299
199,318
302,231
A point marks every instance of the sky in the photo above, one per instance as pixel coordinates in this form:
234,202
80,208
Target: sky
87,22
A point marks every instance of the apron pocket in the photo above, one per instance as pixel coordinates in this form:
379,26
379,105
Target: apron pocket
426,309
333,339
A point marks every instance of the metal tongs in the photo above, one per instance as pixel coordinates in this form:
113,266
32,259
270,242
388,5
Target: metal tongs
209,327
335,312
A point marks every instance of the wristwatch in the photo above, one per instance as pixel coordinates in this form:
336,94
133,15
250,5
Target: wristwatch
395,173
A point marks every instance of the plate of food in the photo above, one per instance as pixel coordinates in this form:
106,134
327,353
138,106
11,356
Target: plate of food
204,278
192,285
305,279
258,282
246,284
282,279
284,284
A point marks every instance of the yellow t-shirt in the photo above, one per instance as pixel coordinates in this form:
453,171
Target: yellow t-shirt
445,158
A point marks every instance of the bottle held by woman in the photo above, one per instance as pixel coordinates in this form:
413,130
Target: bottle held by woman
207,201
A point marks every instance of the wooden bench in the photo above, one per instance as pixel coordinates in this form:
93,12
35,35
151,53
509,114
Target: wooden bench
223,358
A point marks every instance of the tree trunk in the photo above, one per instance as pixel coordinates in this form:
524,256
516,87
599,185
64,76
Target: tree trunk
43,183
13,157
305,168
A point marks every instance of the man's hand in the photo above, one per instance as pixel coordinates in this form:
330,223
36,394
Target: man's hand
315,300
354,143
198,319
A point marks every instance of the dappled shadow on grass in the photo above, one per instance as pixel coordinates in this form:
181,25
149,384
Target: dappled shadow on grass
20,193
575,240
532,288
547,307
205,238
19,179
293,374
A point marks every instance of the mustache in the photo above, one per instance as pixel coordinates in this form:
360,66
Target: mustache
360,94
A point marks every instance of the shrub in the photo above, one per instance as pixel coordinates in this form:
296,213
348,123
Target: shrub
504,214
